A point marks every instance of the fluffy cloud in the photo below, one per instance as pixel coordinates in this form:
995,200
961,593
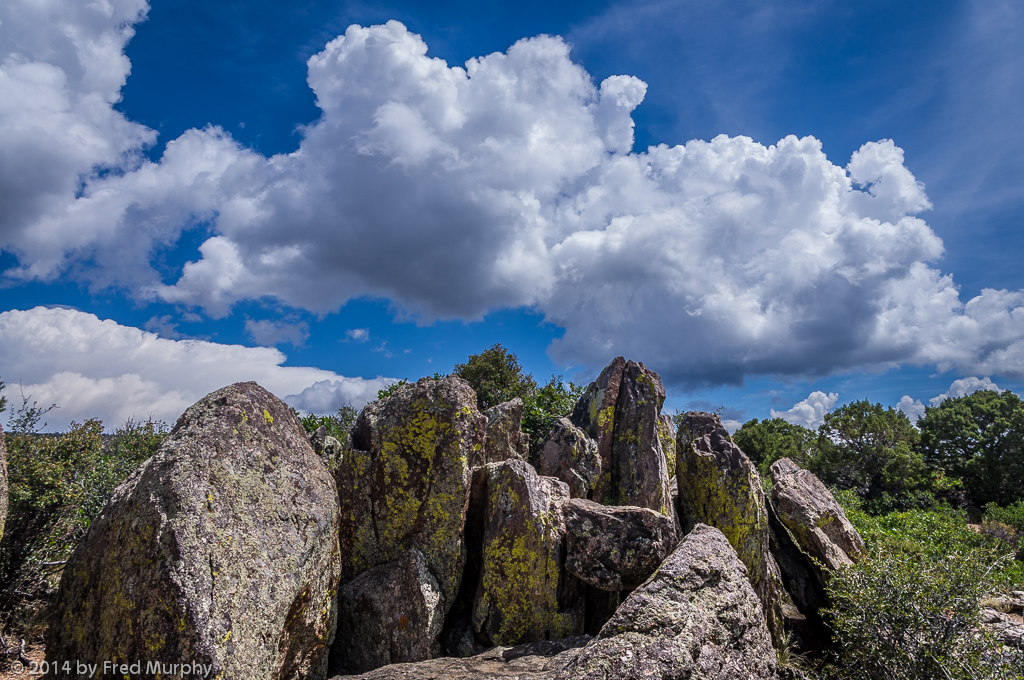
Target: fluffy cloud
965,386
93,368
811,411
511,181
913,408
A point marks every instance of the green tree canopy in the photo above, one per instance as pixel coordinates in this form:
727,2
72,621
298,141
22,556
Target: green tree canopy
978,439
869,448
767,441
496,377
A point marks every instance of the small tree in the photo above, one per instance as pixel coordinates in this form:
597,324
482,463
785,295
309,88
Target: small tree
496,377
767,441
979,440
870,449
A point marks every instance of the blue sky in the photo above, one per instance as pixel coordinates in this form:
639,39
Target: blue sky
307,195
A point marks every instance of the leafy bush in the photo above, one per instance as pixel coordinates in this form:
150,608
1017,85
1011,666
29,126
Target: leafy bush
337,425
496,377
58,484
903,617
767,441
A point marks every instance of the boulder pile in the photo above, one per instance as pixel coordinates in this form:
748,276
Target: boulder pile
431,544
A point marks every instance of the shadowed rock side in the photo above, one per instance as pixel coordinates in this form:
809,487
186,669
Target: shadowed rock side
667,436
719,486
595,415
571,456
615,548
404,483
330,450
810,512
390,614
524,593
505,437
221,549
806,626
528,661
4,490
697,618
621,412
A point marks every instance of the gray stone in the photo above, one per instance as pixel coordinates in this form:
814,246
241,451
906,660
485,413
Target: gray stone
697,617
330,450
569,454
221,550
4,491
814,518
505,437
392,613
524,593
595,414
615,548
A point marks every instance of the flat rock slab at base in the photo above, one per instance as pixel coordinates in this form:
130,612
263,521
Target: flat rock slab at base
810,512
697,618
530,661
392,613
222,550
618,547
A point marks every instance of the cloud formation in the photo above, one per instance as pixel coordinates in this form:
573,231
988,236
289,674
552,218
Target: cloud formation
94,368
512,181
810,412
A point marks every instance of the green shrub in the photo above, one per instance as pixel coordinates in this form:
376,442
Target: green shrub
767,441
337,425
904,617
496,377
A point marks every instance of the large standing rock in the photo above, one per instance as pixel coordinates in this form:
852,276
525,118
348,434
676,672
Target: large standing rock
667,436
807,508
505,436
524,593
621,412
4,492
697,617
595,415
719,486
390,614
220,550
404,484
569,454
615,548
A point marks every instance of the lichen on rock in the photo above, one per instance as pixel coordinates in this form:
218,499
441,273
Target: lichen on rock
569,454
221,549
505,436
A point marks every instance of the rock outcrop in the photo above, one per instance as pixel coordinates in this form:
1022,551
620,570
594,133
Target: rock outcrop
667,435
615,548
221,550
4,490
719,486
697,617
330,450
810,512
505,437
621,412
524,593
405,482
570,455
392,613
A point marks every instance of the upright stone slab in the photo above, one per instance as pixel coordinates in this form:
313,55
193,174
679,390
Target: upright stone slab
697,618
505,436
667,436
220,550
4,490
595,415
524,593
810,512
392,613
719,486
569,454
404,483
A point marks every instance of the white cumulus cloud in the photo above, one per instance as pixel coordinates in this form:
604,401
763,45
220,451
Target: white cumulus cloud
94,368
512,181
811,411
965,386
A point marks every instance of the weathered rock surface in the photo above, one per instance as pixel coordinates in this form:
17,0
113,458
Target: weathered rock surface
719,486
525,593
810,512
392,613
570,455
528,661
330,450
667,436
621,412
696,618
505,437
4,491
221,549
615,548
800,579
404,484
